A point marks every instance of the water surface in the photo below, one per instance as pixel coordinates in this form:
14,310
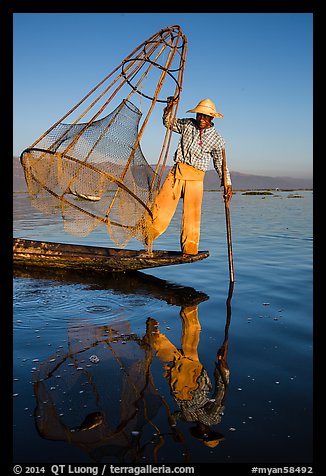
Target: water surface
99,362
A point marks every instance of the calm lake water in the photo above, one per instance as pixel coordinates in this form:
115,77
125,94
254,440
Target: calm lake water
102,365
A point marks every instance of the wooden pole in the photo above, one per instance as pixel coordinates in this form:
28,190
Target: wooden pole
227,219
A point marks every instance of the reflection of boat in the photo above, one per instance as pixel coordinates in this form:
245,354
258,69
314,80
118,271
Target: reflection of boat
94,258
135,282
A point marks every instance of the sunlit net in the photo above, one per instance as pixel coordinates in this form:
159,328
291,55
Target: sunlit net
89,166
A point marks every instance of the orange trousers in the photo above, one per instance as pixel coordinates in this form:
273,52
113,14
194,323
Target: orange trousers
187,182
182,366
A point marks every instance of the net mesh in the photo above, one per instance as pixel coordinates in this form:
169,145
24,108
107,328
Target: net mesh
94,172
111,183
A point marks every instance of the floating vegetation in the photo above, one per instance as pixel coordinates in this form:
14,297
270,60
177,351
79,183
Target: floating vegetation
252,192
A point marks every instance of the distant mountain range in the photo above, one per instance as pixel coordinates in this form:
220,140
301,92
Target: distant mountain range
240,181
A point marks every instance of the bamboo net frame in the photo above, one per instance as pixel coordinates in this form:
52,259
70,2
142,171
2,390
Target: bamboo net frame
90,166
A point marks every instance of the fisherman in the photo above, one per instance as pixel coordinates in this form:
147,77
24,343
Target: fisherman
199,143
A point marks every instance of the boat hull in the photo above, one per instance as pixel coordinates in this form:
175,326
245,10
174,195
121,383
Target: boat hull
29,253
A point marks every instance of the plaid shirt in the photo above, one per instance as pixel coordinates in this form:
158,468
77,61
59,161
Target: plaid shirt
195,150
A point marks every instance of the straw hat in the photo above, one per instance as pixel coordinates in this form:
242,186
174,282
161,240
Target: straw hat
213,443
206,106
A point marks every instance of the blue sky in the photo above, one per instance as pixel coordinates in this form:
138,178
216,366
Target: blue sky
256,67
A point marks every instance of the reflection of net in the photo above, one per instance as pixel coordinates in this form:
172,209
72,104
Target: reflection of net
103,405
87,193
94,172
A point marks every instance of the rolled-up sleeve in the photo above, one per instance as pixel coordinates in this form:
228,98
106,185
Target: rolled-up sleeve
176,125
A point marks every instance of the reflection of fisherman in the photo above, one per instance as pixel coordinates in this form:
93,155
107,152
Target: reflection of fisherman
108,420
188,380
111,422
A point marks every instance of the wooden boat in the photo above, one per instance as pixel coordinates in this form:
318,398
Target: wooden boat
30,253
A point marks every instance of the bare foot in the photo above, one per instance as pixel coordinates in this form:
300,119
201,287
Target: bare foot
145,254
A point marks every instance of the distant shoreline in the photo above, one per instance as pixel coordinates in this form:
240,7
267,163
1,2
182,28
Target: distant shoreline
235,190
264,189
240,181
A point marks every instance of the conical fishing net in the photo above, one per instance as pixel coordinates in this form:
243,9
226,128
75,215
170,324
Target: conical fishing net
88,192
89,166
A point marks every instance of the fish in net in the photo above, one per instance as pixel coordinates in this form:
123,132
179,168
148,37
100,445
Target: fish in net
89,166
88,192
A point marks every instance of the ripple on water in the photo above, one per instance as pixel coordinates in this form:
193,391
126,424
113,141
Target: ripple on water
39,303
98,309
56,305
